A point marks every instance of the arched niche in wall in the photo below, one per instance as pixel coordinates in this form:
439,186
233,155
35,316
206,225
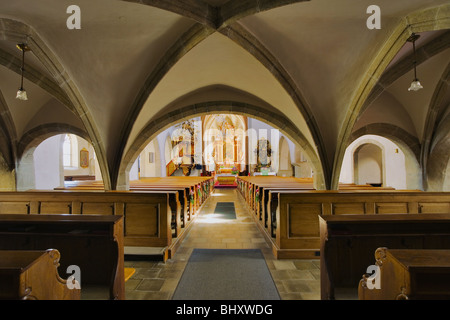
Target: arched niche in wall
392,168
368,165
284,163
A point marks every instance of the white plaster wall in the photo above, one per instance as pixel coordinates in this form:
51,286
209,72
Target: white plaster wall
164,154
76,169
25,177
97,171
134,171
394,162
370,164
147,168
48,164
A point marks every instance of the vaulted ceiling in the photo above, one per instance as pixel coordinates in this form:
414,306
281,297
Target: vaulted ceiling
311,67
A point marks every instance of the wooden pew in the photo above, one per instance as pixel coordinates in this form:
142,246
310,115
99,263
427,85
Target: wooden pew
203,184
79,178
175,198
177,203
411,274
352,186
147,215
193,192
94,243
253,189
190,200
349,241
292,224
33,275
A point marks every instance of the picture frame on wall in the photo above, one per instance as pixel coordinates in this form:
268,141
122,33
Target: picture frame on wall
84,158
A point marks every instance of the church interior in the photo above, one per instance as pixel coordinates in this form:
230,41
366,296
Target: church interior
323,127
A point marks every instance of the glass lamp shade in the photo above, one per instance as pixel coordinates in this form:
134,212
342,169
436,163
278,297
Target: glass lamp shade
415,85
21,94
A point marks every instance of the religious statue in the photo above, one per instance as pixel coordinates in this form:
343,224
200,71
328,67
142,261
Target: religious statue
263,154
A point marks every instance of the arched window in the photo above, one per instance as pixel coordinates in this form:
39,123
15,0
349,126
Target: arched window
70,151
67,151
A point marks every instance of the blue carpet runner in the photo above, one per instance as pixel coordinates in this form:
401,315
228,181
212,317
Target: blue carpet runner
225,210
226,274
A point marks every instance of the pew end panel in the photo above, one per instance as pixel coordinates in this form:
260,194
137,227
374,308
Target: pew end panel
410,274
94,243
148,223
33,275
348,243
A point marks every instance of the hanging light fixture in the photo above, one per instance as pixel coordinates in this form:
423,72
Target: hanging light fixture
21,93
415,84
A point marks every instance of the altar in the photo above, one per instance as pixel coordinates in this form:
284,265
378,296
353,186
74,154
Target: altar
226,176
226,179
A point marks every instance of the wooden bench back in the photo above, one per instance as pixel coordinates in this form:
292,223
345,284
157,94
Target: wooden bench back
291,218
147,216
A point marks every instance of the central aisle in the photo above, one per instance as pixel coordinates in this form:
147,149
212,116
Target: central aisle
209,232
295,279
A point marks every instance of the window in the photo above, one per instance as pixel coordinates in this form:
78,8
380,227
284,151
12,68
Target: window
70,151
67,151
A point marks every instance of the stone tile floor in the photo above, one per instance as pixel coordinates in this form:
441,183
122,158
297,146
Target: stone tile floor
153,280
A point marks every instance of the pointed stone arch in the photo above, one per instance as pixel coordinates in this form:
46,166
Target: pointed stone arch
8,136
439,157
274,119
20,32
436,18
35,136
235,32
28,144
435,112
